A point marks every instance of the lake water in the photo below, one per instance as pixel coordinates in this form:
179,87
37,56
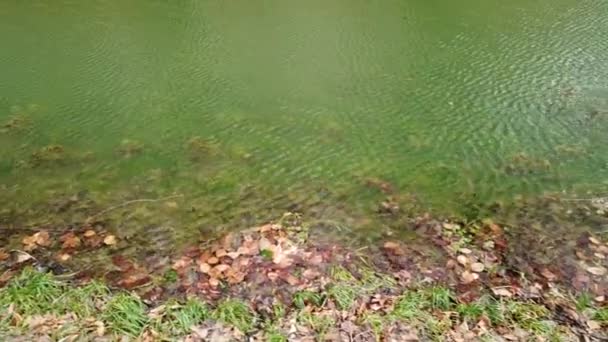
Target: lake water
251,108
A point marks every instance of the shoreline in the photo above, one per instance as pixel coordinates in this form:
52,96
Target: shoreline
449,284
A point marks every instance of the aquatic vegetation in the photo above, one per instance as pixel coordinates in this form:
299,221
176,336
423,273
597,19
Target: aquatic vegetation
14,124
130,148
571,150
523,164
51,154
200,149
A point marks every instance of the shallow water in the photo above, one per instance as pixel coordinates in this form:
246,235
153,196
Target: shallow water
300,103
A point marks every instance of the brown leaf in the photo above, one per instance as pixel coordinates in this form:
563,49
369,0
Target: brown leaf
182,263
43,238
3,255
23,257
70,240
502,292
477,267
233,255
550,276
214,282
110,240
391,245
220,253
598,271
63,257
204,267
213,261
89,233
463,260
468,277
465,251
593,325
221,268
594,240
134,280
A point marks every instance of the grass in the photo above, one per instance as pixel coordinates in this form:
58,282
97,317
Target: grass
178,318
235,313
126,314
306,297
432,311
32,292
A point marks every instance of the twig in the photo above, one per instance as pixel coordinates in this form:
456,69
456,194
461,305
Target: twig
132,202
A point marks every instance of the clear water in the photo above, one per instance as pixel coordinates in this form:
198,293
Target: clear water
299,103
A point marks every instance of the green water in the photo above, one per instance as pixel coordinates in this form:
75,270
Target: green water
299,103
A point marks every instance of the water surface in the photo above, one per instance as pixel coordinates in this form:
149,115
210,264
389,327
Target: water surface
289,104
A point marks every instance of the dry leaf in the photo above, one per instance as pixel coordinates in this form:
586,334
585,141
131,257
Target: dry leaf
477,267
110,240
23,257
221,268
89,233
391,245
3,255
43,238
594,240
468,277
598,271
593,325
63,257
204,267
70,240
214,282
502,292
550,276
463,260
213,261
233,255
220,253
465,251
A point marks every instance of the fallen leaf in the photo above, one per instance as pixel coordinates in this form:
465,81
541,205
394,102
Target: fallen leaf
477,267
265,244
63,257
110,240
214,282
391,245
220,253
550,276
89,233
502,292
3,255
468,277
70,240
221,268
213,261
463,260
233,255
23,257
101,328
204,267
598,271
465,251
594,240
43,238
593,325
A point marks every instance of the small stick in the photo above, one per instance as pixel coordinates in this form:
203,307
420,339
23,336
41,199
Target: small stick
132,202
